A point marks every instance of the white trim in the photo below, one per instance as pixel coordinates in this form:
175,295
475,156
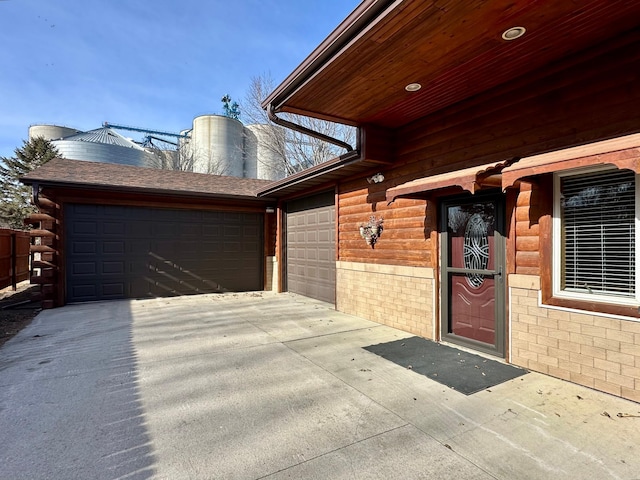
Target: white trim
584,312
557,244
556,235
637,225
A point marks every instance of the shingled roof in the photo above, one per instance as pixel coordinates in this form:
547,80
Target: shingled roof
75,173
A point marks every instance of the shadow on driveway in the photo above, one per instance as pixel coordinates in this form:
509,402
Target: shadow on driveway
263,386
69,398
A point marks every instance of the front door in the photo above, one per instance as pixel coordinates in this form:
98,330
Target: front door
472,283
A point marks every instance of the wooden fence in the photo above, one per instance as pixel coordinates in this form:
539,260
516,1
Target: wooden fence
14,257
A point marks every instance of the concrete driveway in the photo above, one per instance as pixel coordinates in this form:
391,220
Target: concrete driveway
253,386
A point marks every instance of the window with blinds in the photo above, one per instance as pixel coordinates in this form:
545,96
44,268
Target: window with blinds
598,235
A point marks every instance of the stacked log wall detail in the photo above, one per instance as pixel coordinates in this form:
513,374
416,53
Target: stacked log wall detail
407,228
527,231
45,254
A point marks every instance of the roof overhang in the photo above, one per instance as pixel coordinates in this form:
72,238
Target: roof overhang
367,14
324,173
358,75
77,186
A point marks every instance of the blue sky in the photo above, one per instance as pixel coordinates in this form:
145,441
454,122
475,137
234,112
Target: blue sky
151,64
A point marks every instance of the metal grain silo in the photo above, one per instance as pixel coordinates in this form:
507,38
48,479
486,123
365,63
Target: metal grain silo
264,145
51,132
217,145
102,145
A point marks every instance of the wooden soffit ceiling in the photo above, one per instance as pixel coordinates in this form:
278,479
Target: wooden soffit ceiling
453,49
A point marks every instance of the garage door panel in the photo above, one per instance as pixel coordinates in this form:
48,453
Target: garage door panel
325,236
113,268
84,268
136,267
114,228
138,287
211,230
84,292
189,230
165,229
310,249
89,210
111,247
84,247
129,258
139,229
85,228
113,211
212,217
231,231
211,247
112,290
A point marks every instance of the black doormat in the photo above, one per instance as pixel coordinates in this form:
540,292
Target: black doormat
465,372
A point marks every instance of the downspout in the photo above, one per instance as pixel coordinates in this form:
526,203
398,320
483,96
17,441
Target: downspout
35,197
307,131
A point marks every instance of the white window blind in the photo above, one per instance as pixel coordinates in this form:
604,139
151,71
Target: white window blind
598,233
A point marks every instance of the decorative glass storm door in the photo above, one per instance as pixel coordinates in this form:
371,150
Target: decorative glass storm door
472,293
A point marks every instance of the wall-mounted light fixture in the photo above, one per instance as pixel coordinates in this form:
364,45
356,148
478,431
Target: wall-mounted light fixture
270,210
377,178
371,230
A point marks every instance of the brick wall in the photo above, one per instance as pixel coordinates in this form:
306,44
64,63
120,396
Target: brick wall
601,352
398,296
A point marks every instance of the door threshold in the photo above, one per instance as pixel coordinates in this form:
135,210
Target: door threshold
483,353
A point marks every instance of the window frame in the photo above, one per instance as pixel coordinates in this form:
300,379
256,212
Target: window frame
556,266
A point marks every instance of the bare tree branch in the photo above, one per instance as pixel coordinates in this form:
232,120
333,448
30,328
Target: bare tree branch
298,151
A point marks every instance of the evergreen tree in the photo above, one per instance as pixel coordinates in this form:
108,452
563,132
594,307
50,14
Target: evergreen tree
15,198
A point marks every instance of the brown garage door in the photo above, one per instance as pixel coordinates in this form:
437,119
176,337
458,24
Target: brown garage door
310,248
133,252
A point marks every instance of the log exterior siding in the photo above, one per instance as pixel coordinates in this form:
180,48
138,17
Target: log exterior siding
569,340
527,231
405,239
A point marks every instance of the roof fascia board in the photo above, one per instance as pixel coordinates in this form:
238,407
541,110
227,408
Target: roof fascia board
313,172
138,190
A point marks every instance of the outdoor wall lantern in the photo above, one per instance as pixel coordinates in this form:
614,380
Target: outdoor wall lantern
377,178
371,230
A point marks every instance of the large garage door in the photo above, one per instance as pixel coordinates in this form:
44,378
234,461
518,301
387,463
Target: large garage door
133,252
310,248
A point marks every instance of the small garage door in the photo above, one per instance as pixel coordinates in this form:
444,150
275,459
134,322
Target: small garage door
310,248
133,252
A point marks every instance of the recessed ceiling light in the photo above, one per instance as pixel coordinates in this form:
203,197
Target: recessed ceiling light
413,87
513,33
